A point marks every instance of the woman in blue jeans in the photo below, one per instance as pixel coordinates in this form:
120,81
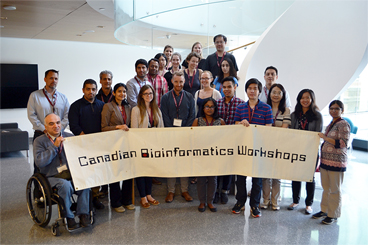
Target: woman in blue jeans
305,117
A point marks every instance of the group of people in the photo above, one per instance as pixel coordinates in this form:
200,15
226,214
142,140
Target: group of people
198,92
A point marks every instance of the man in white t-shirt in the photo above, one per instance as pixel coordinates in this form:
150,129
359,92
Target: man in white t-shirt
270,77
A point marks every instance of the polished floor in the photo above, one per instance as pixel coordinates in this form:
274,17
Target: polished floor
180,223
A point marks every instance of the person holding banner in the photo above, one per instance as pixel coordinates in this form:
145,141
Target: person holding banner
115,115
281,118
177,107
226,109
334,160
208,116
252,112
146,115
305,117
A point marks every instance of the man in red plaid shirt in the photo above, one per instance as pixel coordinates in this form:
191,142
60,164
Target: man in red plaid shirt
226,109
158,82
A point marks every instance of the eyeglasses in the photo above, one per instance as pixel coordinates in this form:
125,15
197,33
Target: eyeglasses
147,94
209,107
335,109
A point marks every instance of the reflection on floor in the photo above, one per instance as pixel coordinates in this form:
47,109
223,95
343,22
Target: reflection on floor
180,223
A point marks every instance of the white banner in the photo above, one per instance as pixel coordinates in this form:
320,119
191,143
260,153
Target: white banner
257,151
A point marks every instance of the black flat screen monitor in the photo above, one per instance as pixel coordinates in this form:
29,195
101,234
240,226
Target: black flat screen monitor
18,81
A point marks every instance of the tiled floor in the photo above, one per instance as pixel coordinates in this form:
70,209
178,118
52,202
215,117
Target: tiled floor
180,222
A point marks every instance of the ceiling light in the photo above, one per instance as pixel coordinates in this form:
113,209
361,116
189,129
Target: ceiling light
89,31
100,26
101,9
10,7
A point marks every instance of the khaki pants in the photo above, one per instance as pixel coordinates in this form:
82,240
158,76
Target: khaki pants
331,197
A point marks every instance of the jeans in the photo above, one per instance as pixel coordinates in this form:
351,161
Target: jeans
66,190
123,196
241,195
144,185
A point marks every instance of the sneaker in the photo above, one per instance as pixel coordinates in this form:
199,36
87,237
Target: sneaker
224,198
329,221
216,198
71,223
319,215
255,212
129,207
84,220
237,208
265,204
275,207
120,209
97,204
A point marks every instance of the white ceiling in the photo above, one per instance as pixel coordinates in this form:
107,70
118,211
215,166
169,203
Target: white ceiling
56,20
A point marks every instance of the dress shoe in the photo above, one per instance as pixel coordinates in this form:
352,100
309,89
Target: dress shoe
170,197
84,220
187,197
145,205
202,207
71,223
97,204
154,202
213,209
156,181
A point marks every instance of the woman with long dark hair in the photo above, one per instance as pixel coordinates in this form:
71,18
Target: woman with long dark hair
162,61
305,117
334,160
206,186
227,69
281,118
115,115
146,115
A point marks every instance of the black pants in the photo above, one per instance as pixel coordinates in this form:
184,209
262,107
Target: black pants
144,185
310,187
226,182
255,195
123,196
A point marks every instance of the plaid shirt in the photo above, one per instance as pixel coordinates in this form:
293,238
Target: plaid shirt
160,86
227,111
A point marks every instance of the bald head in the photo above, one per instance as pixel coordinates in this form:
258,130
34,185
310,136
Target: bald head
53,124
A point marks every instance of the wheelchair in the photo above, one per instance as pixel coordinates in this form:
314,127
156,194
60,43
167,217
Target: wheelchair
40,198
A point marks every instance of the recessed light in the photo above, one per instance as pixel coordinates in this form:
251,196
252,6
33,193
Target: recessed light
10,7
100,26
101,9
89,31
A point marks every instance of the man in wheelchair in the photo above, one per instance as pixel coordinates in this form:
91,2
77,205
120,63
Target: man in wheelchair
50,158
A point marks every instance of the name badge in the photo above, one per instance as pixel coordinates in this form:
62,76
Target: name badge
62,168
177,122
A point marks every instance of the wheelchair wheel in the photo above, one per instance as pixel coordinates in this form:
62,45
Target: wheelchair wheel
39,199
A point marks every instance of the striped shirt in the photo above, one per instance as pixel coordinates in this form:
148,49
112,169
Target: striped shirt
262,113
227,111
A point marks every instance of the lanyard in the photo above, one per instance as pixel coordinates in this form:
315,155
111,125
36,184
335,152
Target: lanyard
52,104
303,125
140,86
123,114
150,118
176,104
331,125
208,123
227,113
191,83
274,120
102,99
60,148
250,110
153,81
265,92
223,56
